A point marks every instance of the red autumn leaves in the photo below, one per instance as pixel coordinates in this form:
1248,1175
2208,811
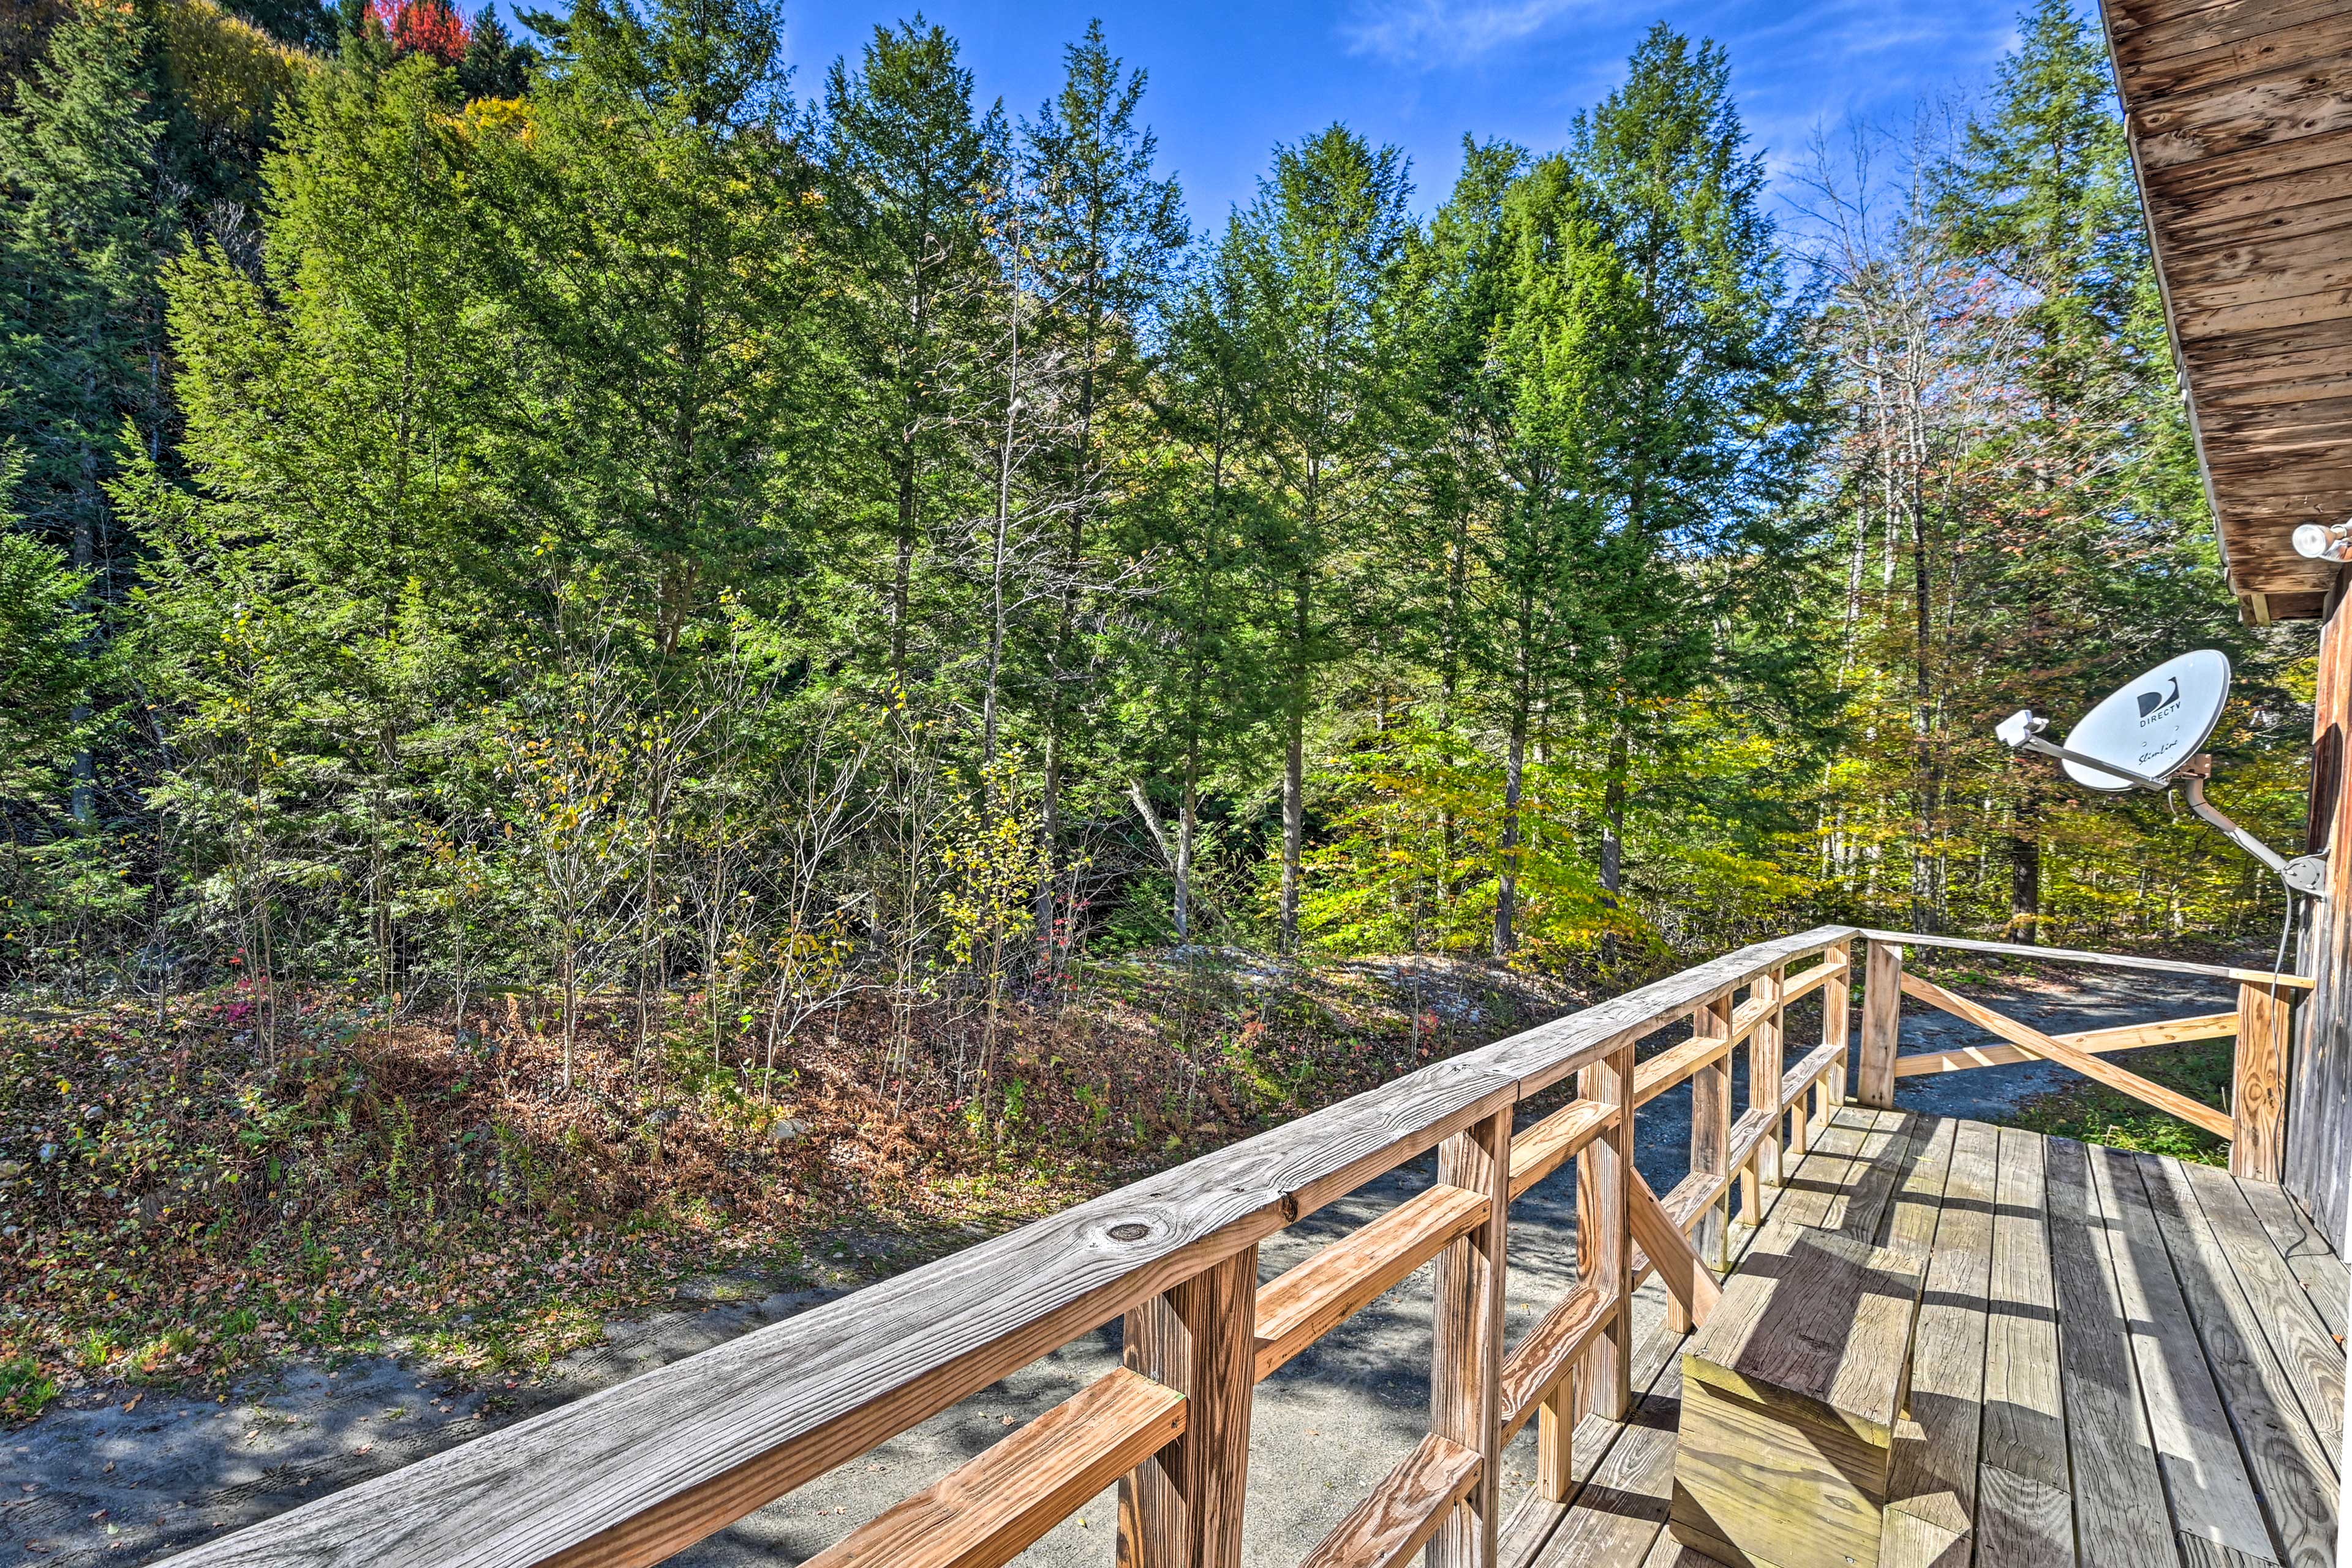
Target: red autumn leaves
422,27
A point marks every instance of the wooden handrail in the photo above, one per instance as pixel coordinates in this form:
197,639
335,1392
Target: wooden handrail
2098,1042
2100,959
990,1510
1307,1301
1404,1509
633,1474
2031,1039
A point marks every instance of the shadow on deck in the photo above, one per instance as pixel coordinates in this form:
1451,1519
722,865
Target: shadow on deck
2119,1359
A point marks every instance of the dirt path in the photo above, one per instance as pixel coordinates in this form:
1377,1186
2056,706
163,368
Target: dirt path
101,1483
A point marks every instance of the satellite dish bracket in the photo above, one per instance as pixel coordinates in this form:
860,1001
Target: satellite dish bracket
2307,874
2023,731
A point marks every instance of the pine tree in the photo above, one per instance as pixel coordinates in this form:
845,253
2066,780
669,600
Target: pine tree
1106,233
907,172
1714,400
494,64
2095,520
1326,239
80,236
78,246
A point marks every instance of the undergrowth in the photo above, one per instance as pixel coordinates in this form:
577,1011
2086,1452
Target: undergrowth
2094,1113
178,1207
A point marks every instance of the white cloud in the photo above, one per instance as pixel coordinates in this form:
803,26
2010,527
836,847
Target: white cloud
1427,33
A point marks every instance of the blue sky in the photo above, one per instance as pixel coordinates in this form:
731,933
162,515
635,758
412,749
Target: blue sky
1228,80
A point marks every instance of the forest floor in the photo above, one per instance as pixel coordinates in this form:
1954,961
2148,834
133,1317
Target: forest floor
130,1461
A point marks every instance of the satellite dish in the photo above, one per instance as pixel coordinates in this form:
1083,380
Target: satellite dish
2151,726
2152,731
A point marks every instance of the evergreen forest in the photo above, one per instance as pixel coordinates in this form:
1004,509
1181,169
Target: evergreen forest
575,532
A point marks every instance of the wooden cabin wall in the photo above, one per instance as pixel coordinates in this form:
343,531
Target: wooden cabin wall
2319,1098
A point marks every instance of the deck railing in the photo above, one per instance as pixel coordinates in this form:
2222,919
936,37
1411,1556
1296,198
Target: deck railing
637,1472
2262,1025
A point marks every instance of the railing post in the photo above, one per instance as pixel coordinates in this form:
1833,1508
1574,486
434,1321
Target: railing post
1466,1397
1764,1067
1882,1015
1711,1142
2258,1083
1183,1507
1837,1026
1604,1242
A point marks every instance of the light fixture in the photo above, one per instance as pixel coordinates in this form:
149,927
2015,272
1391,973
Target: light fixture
2319,541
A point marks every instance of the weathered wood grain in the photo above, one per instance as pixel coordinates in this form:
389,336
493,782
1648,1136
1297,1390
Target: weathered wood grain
1856,1208
2119,1505
1403,1512
1814,1329
1711,1134
1797,1080
2098,1042
2252,111
2204,1478
1604,1239
1306,1302
2306,1252
1910,1221
2171,1102
2066,955
1764,1069
1181,1507
1545,1354
1553,1142
2292,1474
1881,1023
1804,983
1677,1063
1837,1019
2146,30
2023,1523
988,1512
1753,1486
1656,1370
2024,1413
1467,1339
2228,59
1689,1284
2308,1353
1932,1472
1556,1443
1637,1479
2258,1083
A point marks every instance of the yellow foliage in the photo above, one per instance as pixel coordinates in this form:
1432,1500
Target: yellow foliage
229,72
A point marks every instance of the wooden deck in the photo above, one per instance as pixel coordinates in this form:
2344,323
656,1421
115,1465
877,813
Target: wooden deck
2120,1360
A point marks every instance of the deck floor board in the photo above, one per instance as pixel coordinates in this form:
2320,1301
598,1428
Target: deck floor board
2117,1361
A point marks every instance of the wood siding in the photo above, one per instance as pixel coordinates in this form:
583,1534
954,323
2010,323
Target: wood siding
2319,1091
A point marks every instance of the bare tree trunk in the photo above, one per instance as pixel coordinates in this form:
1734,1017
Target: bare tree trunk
1294,768
1186,825
1613,836
1507,891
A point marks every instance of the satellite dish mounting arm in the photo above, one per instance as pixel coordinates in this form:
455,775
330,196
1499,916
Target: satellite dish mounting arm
2021,731
2305,874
